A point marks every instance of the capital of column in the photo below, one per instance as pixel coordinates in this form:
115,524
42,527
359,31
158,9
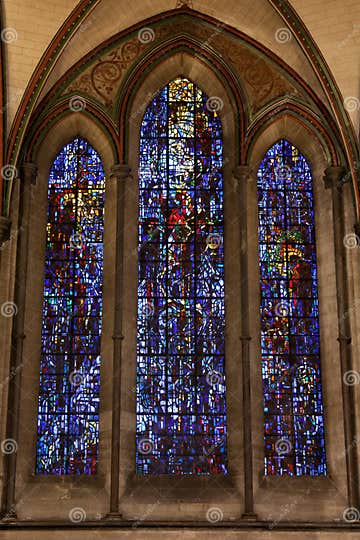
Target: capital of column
5,224
243,173
120,172
117,337
30,171
333,177
344,339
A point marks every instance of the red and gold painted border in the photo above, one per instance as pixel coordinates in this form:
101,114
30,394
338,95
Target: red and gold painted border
263,50
111,42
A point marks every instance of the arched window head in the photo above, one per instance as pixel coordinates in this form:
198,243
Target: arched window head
181,412
290,342
68,418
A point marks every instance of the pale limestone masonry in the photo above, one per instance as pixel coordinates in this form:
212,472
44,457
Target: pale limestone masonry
35,22
335,27
334,24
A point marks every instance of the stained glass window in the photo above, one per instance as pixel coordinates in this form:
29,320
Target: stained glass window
181,413
68,417
290,343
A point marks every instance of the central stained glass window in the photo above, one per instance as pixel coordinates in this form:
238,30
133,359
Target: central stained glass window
181,411
290,341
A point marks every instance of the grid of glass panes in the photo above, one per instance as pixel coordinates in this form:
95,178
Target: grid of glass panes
181,411
68,417
290,343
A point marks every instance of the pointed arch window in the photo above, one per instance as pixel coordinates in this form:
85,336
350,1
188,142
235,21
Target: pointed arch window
68,413
290,342
181,411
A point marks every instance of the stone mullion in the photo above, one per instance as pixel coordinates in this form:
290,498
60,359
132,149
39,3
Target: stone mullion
243,174
333,177
119,173
28,178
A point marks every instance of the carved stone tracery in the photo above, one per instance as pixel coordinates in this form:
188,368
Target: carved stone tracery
103,79
262,81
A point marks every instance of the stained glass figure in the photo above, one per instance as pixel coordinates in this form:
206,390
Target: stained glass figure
181,411
68,418
290,343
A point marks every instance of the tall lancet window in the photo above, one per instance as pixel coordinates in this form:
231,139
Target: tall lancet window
68,418
290,343
181,412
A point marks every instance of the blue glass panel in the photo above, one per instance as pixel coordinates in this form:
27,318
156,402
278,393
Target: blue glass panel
68,420
181,409
290,342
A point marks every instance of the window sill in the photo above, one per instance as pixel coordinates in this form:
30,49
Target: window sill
73,481
298,483
181,489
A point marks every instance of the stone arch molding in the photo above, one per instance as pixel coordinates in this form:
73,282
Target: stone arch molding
65,130
263,77
287,127
259,78
141,89
133,488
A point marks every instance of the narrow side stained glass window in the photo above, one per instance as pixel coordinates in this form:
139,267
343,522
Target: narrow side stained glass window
181,411
68,414
290,341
